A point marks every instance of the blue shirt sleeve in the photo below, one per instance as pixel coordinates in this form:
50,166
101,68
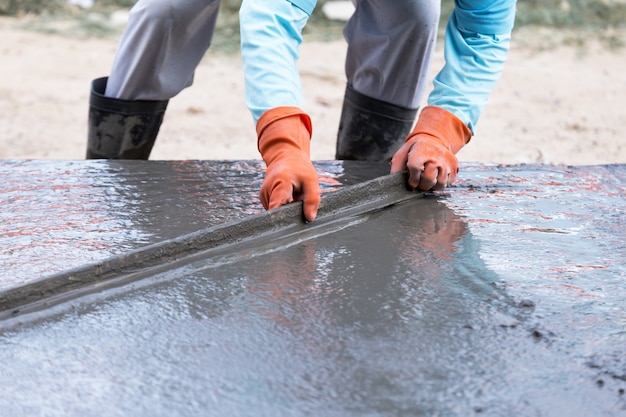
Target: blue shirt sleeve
476,45
306,5
271,34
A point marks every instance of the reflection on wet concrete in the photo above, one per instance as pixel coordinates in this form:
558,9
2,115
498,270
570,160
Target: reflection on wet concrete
57,215
501,296
61,214
557,236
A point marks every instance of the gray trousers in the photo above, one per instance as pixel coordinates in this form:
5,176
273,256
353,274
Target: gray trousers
390,48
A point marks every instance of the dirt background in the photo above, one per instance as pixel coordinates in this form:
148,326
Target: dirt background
558,101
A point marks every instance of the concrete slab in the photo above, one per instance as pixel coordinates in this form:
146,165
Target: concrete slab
502,296
231,236
59,215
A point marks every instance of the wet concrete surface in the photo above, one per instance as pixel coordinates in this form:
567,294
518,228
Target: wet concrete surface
63,214
503,295
57,215
223,237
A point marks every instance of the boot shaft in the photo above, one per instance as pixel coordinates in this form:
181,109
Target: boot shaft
121,129
370,129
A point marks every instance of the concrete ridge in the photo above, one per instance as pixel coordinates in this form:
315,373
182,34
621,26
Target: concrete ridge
141,263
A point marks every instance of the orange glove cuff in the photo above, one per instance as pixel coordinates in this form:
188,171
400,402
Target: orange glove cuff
294,128
443,126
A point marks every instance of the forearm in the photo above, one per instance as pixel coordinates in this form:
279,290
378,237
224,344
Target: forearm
271,34
476,47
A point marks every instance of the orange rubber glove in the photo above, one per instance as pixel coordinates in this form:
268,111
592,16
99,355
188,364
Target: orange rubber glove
284,142
428,153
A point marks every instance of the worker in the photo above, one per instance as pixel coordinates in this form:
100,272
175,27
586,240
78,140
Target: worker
388,63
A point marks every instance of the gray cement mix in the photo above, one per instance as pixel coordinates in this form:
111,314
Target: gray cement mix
503,295
230,237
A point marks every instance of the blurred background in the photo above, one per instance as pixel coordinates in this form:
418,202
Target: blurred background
561,98
103,17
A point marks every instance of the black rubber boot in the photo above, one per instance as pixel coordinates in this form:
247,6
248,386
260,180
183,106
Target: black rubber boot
121,129
370,129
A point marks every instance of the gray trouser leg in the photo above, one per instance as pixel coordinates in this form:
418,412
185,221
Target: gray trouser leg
156,59
161,48
390,50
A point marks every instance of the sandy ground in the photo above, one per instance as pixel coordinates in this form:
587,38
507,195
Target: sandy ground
554,104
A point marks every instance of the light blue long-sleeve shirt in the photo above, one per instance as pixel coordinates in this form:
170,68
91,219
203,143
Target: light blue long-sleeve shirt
476,44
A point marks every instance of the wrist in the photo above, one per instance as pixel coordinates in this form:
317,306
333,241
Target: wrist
443,127
284,132
276,114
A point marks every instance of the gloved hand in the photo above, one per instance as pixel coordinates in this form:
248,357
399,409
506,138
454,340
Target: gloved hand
284,142
428,153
